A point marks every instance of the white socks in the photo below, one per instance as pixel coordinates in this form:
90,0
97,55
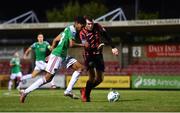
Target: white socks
10,85
74,78
52,82
35,85
28,76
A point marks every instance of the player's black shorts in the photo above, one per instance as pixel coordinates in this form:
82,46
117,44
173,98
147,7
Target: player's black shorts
95,61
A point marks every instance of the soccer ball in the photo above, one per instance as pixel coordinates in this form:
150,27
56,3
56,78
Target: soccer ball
113,96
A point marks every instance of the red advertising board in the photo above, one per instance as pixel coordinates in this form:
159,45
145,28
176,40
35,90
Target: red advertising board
163,50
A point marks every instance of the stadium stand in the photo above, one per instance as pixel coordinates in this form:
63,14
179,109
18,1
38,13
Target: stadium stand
154,67
112,68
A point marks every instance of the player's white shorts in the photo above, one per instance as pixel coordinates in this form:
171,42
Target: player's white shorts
69,61
14,75
40,65
54,63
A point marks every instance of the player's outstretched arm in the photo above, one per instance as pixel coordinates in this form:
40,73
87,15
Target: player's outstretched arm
11,64
27,52
115,51
78,45
71,43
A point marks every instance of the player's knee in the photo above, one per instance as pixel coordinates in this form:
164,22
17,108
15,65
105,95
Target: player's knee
34,75
80,68
48,80
48,77
91,78
18,79
99,79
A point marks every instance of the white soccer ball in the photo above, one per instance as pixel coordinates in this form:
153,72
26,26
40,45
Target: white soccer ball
113,96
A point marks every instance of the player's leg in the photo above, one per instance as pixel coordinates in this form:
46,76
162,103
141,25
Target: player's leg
99,78
93,82
89,83
10,83
35,85
53,85
19,83
53,64
78,68
29,76
40,65
39,82
85,92
99,66
96,62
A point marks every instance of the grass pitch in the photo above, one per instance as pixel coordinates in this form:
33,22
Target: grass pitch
54,101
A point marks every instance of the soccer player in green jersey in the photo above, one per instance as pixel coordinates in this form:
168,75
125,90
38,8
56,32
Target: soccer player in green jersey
57,56
70,62
40,49
15,70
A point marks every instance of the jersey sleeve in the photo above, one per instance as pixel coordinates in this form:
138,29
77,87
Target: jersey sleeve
82,37
100,28
105,35
33,45
68,33
47,44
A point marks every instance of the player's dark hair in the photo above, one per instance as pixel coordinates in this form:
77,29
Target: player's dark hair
80,19
88,18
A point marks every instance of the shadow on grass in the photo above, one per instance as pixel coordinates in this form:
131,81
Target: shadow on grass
135,100
131,100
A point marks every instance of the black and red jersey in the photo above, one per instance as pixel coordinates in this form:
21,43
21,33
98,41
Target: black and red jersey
94,37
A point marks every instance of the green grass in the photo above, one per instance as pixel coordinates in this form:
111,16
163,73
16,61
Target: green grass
130,101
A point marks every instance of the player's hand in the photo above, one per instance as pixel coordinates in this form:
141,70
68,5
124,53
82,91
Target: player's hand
51,48
47,58
86,44
115,51
24,56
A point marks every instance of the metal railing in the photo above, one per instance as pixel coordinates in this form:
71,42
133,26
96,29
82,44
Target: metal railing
116,14
24,18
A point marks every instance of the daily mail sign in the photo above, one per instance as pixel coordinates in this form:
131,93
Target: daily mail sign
163,50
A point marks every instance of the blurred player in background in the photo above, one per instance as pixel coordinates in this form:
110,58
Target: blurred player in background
15,71
57,56
91,36
40,49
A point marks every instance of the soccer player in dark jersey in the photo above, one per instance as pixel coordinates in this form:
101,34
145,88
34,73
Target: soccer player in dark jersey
91,36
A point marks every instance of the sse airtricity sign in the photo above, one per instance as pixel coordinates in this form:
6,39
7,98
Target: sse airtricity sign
155,82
